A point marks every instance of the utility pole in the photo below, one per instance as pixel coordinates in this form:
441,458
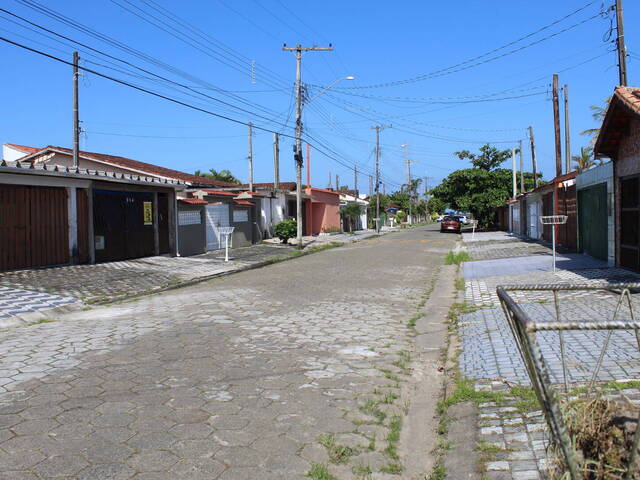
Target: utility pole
276,160
355,180
337,183
556,125
567,138
297,155
622,49
250,157
533,158
377,128
407,162
308,165
515,181
522,189
76,114
330,181
370,186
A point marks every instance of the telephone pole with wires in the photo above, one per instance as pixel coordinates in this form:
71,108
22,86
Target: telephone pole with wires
76,113
556,125
377,128
250,157
407,162
567,138
297,149
522,188
622,49
533,158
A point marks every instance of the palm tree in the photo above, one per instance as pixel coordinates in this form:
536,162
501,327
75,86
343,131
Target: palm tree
597,113
585,160
222,175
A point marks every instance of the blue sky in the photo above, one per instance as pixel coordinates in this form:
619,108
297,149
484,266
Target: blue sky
376,42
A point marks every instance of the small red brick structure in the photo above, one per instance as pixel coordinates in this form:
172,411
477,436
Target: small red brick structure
619,139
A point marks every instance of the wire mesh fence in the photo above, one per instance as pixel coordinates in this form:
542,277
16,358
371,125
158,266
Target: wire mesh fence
568,338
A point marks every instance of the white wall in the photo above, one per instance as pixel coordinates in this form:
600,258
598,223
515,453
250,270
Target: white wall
11,154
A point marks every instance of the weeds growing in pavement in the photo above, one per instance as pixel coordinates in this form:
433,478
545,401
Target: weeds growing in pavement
319,471
362,472
460,285
456,258
439,472
337,453
393,468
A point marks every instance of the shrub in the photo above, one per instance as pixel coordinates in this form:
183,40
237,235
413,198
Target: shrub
286,229
401,216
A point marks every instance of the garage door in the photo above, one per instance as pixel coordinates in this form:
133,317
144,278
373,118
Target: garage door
592,212
34,229
217,216
533,220
630,223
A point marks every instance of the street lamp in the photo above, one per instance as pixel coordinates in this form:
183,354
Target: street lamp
330,86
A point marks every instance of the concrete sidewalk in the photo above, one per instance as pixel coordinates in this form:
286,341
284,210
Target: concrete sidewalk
490,357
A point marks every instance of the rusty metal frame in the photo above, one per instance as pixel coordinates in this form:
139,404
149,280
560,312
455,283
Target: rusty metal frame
524,330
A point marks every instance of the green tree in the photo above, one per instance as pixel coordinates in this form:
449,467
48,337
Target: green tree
222,175
352,212
585,160
478,191
488,158
436,205
597,113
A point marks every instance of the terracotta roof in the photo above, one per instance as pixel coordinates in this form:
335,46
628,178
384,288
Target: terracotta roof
313,189
283,185
225,193
23,148
193,201
243,202
624,105
129,163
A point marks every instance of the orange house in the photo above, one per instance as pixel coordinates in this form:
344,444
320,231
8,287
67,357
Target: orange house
322,211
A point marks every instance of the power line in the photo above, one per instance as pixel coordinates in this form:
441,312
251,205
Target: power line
467,64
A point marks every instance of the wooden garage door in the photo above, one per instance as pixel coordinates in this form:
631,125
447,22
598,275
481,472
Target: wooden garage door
33,227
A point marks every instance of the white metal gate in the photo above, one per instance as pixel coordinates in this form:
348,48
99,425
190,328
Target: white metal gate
533,220
217,216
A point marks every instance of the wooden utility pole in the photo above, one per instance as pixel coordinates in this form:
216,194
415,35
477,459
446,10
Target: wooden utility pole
515,177
250,157
522,188
308,165
297,155
276,160
76,113
377,128
533,158
556,125
567,137
407,162
337,183
622,49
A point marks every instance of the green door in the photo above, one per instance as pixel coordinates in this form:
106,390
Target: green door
592,218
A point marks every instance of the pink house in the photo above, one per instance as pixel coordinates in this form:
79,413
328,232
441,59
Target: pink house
322,211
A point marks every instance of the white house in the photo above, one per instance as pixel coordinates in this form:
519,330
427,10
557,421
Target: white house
348,197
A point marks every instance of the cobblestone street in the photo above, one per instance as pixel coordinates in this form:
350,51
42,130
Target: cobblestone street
235,378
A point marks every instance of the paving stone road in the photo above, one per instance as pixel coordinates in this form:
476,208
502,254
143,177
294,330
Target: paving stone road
233,379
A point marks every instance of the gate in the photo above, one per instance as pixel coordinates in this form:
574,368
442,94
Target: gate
568,233
593,226
217,215
533,220
34,226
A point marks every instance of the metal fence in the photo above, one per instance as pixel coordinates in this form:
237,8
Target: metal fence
525,329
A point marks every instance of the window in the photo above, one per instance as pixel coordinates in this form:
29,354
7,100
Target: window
240,215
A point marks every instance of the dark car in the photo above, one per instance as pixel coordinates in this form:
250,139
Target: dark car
451,223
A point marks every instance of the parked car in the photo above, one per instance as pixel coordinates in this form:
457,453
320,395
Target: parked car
451,223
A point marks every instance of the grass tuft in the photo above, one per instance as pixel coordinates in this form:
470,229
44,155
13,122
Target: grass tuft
319,471
456,258
337,453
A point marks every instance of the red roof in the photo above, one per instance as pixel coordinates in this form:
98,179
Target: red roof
624,105
630,96
129,163
23,148
243,202
193,201
226,193
323,190
283,185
